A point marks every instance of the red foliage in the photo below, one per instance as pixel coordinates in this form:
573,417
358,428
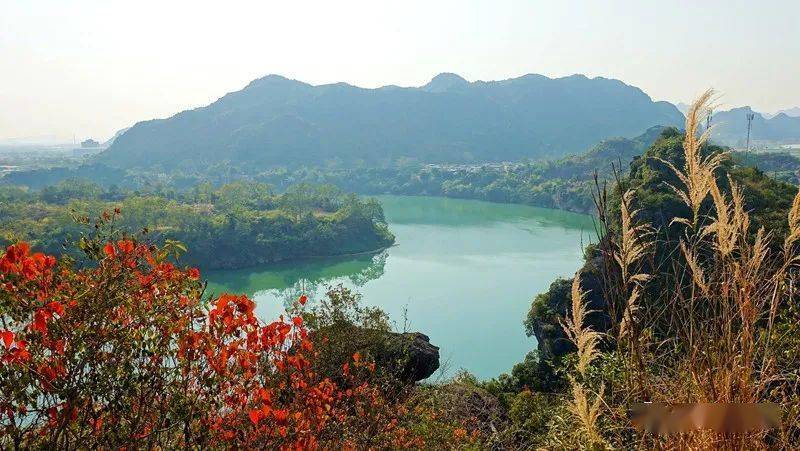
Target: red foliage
128,353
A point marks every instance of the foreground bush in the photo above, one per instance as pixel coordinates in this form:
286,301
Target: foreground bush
127,353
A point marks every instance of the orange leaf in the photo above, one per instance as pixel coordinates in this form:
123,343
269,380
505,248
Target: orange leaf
126,246
8,337
254,415
56,307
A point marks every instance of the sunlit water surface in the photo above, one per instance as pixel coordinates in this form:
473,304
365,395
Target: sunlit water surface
463,272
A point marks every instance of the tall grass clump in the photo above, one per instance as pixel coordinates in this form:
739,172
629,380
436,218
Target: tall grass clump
707,315
583,408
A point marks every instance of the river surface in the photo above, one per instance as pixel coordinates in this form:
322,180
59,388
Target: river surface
463,272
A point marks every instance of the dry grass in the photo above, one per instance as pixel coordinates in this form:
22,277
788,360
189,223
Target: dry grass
711,311
587,342
586,412
584,338
697,174
633,247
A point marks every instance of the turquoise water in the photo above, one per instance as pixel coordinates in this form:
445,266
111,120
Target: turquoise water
463,272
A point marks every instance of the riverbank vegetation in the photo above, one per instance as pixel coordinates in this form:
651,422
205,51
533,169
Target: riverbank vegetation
564,184
236,225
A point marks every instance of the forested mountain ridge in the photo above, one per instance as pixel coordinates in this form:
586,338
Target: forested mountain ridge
564,184
276,121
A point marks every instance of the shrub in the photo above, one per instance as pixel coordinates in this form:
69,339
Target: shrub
127,353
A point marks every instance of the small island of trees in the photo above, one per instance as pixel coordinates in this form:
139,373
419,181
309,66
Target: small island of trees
235,225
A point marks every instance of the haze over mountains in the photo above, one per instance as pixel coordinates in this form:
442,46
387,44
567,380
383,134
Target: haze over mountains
277,121
730,127
793,112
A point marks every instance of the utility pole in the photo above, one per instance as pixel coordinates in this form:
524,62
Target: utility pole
708,118
750,117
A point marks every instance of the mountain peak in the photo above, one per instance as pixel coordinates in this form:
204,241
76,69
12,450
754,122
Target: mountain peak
791,112
445,81
273,79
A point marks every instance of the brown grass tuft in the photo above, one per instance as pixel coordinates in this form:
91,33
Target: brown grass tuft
584,338
697,174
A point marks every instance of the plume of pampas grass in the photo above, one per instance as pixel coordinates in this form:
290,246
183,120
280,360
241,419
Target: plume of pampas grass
697,174
742,219
731,222
586,412
794,223
725,225
584,338
628,314
697,271
633,246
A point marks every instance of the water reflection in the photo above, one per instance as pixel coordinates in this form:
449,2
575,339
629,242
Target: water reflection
286,282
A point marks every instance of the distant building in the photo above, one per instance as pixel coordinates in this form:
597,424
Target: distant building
88,147
89,143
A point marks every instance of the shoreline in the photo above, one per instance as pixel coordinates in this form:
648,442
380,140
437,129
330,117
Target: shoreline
568,210
300,260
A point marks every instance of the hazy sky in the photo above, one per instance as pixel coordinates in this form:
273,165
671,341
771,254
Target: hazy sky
88,67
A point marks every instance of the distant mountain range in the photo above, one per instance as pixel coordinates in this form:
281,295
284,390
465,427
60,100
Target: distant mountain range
793,112
730,128
275,121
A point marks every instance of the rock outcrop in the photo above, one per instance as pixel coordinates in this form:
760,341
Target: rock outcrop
408,357
411,356
550,308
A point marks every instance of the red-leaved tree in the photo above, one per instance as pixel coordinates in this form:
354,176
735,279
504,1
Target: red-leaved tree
127,353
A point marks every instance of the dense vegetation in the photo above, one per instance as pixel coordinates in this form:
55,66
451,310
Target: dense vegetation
651,179
782,166
767,200
236,225
564,183
687,298
279,122
99,174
